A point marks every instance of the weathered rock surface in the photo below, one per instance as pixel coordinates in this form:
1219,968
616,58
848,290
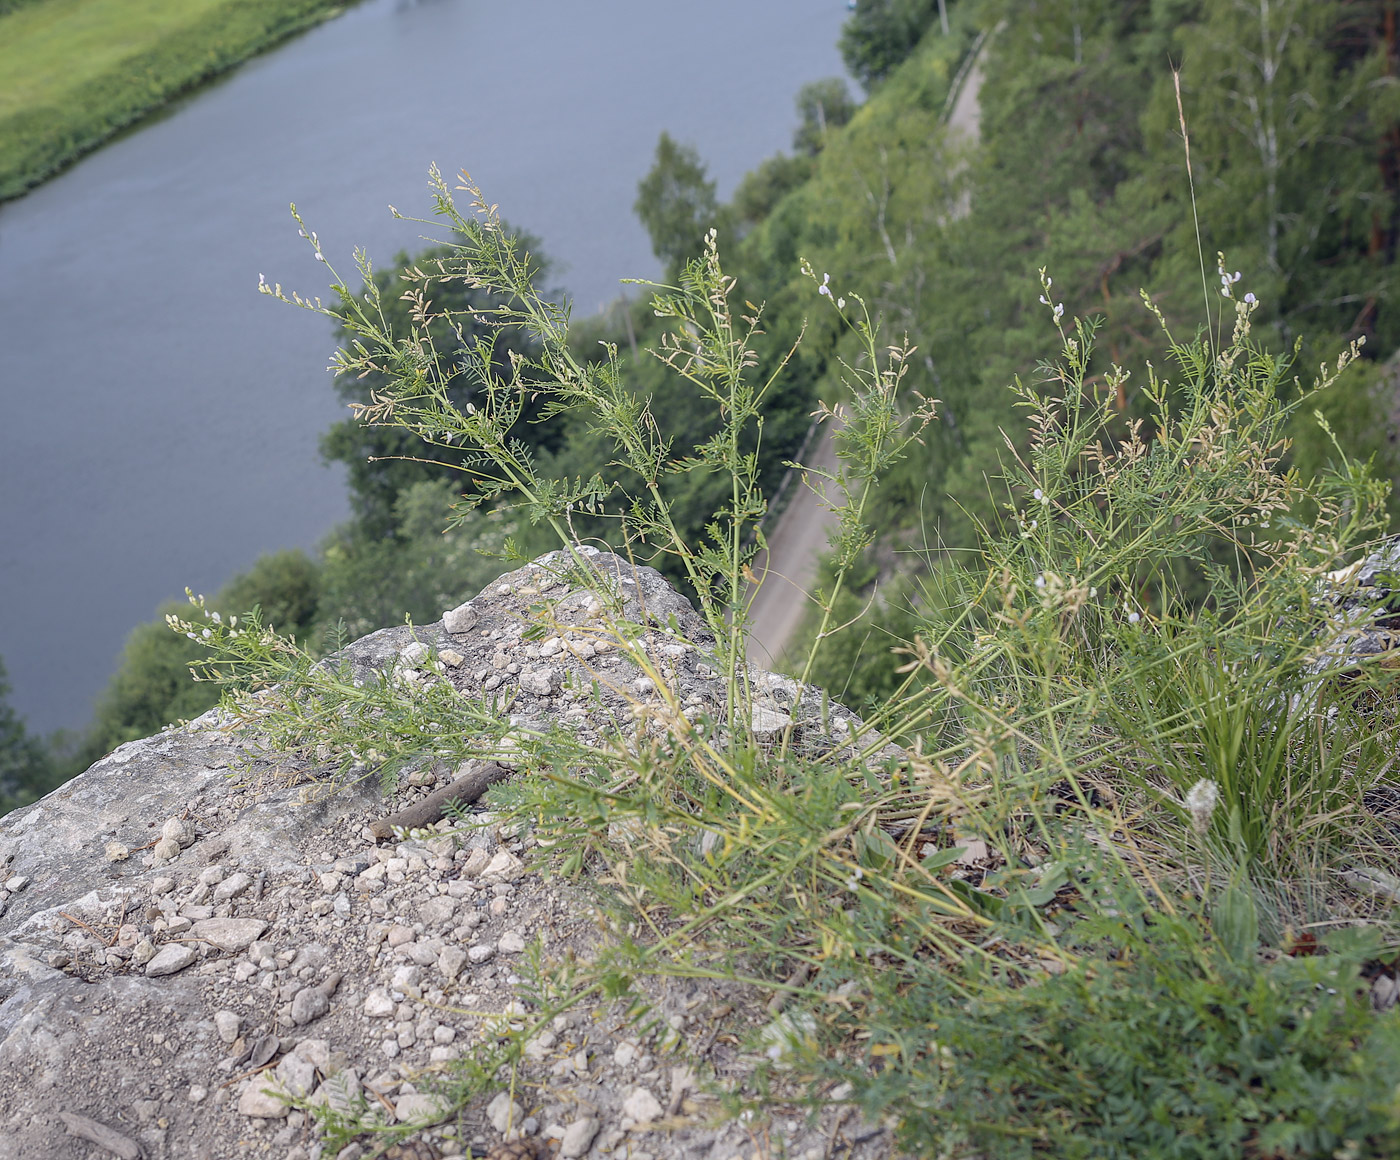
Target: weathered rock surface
189,938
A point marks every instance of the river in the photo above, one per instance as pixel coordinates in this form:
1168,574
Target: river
160,418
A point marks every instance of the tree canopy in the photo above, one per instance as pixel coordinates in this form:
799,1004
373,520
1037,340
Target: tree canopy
676,203
26,769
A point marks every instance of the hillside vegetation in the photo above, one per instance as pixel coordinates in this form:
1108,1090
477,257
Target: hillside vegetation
1080,169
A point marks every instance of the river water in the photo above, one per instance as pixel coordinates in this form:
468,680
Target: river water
160,418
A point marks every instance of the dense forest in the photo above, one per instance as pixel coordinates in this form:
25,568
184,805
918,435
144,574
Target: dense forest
1292,108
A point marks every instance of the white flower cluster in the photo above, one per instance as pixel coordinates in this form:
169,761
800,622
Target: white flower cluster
825,288
1228,280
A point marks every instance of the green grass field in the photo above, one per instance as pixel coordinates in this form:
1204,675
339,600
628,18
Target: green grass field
75,72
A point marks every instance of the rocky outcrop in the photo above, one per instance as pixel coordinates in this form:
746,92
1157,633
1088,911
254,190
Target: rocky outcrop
193,936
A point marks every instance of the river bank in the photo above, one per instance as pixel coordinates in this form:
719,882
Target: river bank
78,72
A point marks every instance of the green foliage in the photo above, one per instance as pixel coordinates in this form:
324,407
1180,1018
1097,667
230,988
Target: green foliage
1169,781
372,727
37,142
382,461
676,203
26,770
8,6
153,688
881,34
1080,168
1155,1043
285,586
824,106
762,187
417,573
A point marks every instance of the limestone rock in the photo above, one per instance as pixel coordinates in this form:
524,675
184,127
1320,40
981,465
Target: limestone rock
504,1113
459,620
229,934
264,1097
642,1106
185,911
578,1138
169,959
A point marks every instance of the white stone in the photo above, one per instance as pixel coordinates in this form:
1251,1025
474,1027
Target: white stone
511,943
767,722
378,1004
414,655
226,1024
460,619
229,934
578,1137
505,864
542,682
624,1054
504,1113
406,979
296,1074
417,1106
169,959
451,961
481,953
232,887
165,850
437,910
642,1106
264,1098
116,852
16,883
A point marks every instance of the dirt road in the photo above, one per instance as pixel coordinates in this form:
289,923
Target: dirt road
799,536
789,566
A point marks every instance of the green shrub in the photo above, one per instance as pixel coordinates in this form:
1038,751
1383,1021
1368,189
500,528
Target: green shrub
1155,1043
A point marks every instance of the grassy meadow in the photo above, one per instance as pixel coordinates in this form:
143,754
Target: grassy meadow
75,72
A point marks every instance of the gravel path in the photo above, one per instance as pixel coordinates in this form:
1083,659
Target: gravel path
789,567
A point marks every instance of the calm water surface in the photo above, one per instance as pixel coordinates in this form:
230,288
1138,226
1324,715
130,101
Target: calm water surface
160,418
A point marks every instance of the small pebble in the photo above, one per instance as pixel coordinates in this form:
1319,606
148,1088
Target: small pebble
226,1023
